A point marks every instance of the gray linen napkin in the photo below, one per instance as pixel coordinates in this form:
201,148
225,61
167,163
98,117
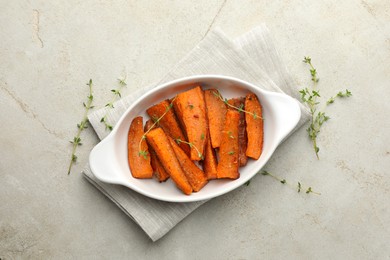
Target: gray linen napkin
251,57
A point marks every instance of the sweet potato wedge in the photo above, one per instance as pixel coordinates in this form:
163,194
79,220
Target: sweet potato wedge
149,125
210,161
216,111
242,136
254,126
195,176
160,143
168,122
228,151
140,166
190,109
158,169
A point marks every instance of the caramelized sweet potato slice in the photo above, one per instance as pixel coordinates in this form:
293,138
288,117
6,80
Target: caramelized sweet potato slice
195,176
190,109
216,111
160,143
149,125
210,161
158,169
228,152
140,166
242,136
254,126
168,122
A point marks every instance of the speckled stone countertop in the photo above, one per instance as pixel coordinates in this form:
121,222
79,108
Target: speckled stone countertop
49,51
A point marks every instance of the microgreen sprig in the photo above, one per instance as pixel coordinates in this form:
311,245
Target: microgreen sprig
191,145
230,134
317,119
144,153
298,187
239,109
341,94
309,96
116,95
313,71
81,126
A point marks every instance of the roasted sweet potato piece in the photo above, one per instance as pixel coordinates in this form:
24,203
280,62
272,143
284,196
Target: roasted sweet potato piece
254,126
158,169
195,176
190,109
210,161
140,166
216,111
160,143
149,125
168,122
228,151
242,136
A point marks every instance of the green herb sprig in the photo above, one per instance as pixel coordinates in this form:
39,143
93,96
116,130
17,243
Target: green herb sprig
239,109
297,187
230,134
340,94
116,95
191,145
81,126
309,96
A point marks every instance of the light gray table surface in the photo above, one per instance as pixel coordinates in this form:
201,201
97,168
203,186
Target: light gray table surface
48,51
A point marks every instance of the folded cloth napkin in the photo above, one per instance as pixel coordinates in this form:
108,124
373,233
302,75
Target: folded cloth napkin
251,57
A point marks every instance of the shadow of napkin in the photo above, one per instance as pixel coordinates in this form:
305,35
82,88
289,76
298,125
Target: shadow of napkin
251,57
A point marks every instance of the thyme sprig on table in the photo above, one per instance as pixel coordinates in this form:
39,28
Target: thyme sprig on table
81,126
239,109
340,94
309,96
116,95
297,187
